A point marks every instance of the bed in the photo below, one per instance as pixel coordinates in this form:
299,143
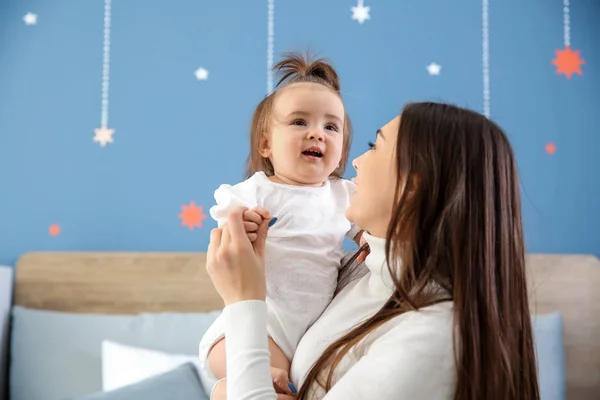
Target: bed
132,284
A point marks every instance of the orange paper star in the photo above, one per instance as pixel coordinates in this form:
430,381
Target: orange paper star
550,148
192,215
54,230
568,62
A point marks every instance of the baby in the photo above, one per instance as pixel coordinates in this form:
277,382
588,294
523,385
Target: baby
300,139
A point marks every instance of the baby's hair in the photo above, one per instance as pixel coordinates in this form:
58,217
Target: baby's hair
294,68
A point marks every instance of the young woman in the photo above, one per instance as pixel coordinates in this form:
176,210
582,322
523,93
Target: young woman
442,312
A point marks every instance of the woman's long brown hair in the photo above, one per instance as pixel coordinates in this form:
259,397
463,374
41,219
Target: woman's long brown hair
457,228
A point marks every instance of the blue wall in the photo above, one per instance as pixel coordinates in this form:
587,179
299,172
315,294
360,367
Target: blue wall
176,138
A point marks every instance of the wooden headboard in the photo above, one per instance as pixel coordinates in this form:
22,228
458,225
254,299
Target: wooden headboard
131,283
115,283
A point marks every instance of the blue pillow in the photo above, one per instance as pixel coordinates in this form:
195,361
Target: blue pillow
548,340
181,383
61,352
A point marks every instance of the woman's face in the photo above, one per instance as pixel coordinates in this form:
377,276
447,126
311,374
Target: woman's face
372,203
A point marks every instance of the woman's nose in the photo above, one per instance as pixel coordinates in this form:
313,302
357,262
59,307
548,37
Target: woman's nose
355,163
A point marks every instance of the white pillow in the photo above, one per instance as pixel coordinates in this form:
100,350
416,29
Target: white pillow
124,365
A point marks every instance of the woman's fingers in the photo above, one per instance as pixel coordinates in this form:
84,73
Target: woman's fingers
235,223
225,238
213,245
261,239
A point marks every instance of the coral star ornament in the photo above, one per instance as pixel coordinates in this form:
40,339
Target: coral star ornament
568,62
192,215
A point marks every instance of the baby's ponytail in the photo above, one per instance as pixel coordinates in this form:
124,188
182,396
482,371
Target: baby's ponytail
295,68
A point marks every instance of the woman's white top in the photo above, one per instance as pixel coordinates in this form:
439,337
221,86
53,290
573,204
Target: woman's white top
409,357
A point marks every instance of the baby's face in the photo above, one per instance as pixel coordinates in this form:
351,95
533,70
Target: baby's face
307,135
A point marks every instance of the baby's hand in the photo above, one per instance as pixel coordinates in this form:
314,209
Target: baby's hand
253,219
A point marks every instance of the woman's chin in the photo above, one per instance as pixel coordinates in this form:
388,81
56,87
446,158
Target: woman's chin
350,214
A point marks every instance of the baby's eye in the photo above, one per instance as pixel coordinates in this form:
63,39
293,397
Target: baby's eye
332,127
299,122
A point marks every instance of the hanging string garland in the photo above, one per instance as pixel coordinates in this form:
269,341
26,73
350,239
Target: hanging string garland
270,42
568,61
104,135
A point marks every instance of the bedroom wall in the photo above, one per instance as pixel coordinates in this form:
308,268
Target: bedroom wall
177,137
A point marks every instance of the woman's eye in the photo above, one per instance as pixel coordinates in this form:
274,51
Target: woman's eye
371,146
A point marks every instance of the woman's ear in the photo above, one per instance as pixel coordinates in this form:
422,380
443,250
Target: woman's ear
264,149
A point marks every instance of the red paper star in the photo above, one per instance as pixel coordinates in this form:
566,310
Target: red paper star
192,215
54,230
550,148
568,62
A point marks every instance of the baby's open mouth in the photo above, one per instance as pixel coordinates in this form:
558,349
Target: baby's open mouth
313,152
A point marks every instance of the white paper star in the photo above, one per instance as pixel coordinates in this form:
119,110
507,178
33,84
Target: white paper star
201,74
434,69
360,12
103,136
30,19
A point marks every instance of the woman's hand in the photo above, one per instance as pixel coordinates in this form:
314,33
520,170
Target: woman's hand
360,240
235,264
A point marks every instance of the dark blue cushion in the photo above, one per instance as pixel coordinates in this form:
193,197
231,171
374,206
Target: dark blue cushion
181,383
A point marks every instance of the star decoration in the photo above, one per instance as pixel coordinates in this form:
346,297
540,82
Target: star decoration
550,148
54,230
201,74
30,19
192,215
568,62
434,69
103,135
361,13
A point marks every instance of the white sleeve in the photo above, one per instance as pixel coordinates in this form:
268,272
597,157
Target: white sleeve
394,367
229,197
247,352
